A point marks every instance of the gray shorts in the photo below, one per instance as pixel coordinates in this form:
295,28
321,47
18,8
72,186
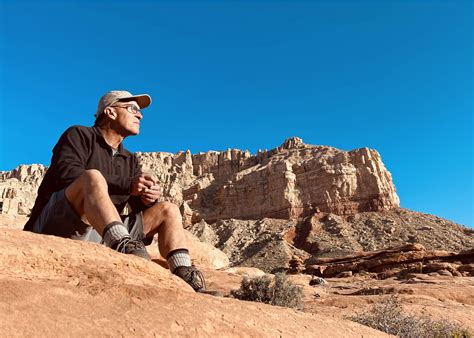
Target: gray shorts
59,218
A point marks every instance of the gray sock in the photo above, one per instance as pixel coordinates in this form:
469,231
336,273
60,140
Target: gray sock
178,258
114,232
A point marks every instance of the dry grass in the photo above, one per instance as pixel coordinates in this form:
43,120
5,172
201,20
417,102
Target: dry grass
388,316
274,291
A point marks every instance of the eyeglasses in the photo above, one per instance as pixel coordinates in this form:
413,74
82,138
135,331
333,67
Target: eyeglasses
131,109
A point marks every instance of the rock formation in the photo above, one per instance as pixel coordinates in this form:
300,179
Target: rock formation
292,202
270,244
411,258
18,188
288,182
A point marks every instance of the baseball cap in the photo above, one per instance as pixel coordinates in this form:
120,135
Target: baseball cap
143,100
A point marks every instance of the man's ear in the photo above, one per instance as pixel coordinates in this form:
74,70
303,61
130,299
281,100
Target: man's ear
110,112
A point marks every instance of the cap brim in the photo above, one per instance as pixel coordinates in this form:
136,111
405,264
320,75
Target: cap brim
143,100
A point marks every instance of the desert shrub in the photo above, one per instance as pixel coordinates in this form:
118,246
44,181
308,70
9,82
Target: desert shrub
254,289
388,316
274,291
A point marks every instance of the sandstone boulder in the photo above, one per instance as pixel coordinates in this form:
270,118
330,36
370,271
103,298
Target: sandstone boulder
412,258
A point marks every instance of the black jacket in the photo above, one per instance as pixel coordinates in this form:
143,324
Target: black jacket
78,149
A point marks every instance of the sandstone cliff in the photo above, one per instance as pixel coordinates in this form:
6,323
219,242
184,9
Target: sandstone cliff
18,188
287,182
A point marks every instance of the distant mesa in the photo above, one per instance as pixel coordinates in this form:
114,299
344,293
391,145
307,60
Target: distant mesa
291,181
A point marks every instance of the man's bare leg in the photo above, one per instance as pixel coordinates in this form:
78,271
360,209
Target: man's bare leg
89,197
165,219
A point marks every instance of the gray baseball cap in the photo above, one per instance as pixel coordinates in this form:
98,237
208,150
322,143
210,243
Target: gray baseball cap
143,100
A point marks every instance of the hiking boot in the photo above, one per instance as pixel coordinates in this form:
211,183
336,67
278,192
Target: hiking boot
192,276
132,247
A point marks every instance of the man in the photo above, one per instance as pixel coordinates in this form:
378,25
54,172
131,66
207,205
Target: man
91,179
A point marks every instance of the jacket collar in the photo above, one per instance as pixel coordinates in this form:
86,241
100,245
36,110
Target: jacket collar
120,151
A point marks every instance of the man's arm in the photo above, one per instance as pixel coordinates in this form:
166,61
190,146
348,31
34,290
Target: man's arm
70,155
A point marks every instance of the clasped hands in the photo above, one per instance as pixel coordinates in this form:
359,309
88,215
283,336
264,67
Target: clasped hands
145,186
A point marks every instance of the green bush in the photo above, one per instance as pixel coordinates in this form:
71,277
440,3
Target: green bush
388,316
274,291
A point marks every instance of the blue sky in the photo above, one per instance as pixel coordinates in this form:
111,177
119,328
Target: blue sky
395,76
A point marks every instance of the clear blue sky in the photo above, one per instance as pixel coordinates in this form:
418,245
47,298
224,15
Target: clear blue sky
395,76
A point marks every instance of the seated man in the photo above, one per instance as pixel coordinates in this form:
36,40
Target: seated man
92,177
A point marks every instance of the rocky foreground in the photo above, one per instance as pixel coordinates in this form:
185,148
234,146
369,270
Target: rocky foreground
52,286
57,287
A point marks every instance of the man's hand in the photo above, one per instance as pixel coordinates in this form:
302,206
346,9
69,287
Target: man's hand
150,195
141,184
145,185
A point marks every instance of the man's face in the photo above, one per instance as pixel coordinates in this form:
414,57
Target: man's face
128,117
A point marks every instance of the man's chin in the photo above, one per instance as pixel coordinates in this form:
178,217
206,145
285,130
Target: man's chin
133,133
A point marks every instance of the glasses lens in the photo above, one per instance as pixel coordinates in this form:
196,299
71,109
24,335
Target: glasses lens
134,110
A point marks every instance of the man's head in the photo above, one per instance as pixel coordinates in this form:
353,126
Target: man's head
122,110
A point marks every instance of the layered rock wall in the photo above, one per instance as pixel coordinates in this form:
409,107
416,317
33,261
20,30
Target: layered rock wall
287,182
18,188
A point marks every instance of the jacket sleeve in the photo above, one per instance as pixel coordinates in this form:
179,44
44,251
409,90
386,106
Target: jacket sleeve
70,155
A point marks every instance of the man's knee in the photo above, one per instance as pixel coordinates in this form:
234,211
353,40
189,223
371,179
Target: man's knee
93,178
165,211
168,210
162,213
90,183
